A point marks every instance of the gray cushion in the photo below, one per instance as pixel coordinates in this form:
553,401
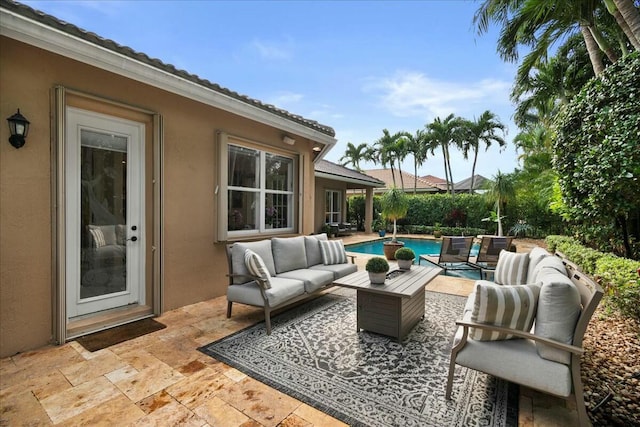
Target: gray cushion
508,306
312,248
338,270
333,252
288,253
511,268
552,263
506,359
535,256
282,290
262,248
256,266
558,311
313,279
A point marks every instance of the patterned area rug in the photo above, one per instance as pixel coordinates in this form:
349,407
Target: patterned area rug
364,379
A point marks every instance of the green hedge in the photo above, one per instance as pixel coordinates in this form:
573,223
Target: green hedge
446,231
617,276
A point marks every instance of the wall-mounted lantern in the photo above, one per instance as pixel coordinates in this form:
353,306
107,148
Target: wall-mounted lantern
19,128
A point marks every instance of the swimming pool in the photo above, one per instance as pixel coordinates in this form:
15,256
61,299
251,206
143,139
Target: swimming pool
420,247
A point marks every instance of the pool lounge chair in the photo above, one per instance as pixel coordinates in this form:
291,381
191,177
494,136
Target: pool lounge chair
490,247
454,254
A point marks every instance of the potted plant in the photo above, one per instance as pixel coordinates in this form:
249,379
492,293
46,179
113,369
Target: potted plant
437,233
377,268
395,205
380,226
405,257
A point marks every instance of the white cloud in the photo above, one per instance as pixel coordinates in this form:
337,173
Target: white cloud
285,100
273,50
414,94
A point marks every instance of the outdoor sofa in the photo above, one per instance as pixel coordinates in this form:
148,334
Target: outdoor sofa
274,273
527,325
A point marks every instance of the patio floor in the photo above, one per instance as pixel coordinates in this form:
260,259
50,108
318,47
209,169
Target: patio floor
161,379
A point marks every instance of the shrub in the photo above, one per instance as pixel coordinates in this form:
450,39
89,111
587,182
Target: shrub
617,276
377,265
405,254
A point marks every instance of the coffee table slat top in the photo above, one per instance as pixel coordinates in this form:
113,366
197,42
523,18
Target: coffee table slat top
405,285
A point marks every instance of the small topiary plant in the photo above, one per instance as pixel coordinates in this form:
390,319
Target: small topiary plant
406,254
377,265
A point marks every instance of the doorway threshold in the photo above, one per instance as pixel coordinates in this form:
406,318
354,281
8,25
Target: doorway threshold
83,325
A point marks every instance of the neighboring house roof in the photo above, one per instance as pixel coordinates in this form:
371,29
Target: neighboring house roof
465,184
385,175
434,180
330,170
225,99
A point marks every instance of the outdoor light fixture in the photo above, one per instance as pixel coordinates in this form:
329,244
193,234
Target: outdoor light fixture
317,148
288,140
19,127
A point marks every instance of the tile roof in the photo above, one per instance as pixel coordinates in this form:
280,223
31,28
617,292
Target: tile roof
339,171
408,178
111,45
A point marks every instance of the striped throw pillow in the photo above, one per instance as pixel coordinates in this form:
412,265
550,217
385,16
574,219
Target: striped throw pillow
98,237
512,268
507,306
257,267
332,252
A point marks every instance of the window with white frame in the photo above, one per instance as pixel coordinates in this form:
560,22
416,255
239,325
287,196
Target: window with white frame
260,190
333,206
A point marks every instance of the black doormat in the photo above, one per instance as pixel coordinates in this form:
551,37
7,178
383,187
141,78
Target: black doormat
108,337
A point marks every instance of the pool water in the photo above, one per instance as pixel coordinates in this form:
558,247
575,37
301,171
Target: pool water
420,247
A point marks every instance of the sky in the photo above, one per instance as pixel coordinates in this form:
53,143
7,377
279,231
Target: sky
357,66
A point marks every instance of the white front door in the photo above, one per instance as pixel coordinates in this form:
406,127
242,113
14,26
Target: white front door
105,235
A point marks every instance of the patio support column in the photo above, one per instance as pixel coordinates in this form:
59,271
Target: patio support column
368,210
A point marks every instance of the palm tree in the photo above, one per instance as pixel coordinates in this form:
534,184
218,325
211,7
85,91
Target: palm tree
500,191
482,130
418,146
537,24
354,155
445,133
389,150
394,206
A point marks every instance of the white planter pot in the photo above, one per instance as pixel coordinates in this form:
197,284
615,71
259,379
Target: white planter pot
405,264
377,278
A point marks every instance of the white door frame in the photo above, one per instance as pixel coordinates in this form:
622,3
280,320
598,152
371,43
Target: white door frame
77,119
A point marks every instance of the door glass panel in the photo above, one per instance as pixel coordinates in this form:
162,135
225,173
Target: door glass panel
103,213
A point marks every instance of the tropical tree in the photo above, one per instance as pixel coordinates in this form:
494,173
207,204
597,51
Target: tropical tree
500,191
354,155
395,205
418,146
389,150
482,130
446,133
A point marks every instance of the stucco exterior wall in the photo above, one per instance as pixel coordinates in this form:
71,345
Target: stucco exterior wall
322,185
194,267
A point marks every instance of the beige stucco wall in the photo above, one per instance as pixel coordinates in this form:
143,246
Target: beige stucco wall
322,185
193,267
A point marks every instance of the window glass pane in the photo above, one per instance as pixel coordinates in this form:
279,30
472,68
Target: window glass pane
242,210
278,210
243,164
278,173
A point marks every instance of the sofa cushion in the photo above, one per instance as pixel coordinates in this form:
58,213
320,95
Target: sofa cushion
338,270
312,248
508,306
261,247
256,266
551,263
288,253
558,311
97,236
282,290
312,279
333,252
511,268
535,256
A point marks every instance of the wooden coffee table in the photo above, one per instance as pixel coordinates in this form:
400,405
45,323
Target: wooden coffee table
395,307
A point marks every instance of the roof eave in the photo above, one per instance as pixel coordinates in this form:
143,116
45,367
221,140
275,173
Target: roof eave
349,179
32,32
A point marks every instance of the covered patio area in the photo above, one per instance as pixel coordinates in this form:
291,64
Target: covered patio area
162,379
